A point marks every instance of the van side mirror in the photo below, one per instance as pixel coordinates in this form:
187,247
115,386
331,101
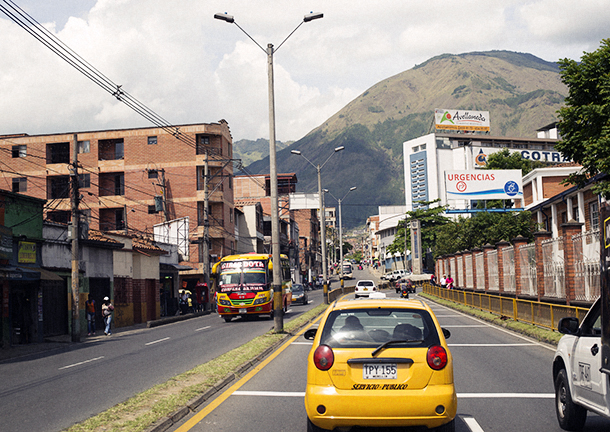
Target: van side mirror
568,325
310,334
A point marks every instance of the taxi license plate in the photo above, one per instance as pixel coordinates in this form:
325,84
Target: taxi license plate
243,311
379,371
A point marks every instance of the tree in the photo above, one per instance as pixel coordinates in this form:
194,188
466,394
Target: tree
584,121
430,219
483,228
506,160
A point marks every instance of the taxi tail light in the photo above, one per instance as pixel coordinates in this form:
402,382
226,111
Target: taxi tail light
436,357
323,357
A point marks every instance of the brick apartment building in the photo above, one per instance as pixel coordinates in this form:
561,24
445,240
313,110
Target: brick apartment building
299,229
131,180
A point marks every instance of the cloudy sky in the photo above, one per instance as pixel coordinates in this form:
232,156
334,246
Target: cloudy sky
187,67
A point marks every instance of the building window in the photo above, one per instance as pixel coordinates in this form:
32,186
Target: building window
153,174
20,151
202,143
84,180
152,209
20,184
58,153
112,184
58,187
152,140
84,146
60,216
594,215
112,219
111,149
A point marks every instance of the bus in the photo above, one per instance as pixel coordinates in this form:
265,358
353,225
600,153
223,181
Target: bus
243,285
347,270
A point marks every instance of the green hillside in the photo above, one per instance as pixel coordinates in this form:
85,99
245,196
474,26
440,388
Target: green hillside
521,92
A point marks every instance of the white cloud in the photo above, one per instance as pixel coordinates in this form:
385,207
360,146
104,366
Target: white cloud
188,67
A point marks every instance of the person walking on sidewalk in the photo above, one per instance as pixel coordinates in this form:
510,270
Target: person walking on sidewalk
90,309
107,311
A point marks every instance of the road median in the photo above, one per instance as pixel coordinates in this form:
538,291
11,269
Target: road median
162,406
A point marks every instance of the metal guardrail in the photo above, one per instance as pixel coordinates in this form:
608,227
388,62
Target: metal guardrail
527,311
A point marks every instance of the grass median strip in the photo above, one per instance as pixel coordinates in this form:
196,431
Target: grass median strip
146,408
533,331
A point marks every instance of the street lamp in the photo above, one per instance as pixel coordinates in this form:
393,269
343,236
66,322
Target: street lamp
275,221
322,215
353,188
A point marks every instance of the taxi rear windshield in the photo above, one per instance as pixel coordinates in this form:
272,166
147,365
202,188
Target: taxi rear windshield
368,328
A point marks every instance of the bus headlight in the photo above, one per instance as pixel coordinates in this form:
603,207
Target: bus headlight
224,302
260,300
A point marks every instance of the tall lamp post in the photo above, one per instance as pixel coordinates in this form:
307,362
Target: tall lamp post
322,216
353,188
275,220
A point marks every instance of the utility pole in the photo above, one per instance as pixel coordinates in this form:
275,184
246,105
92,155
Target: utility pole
165,212
75,235
206,222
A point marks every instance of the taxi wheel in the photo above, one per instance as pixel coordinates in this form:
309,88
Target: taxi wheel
571,417
312,427
447,427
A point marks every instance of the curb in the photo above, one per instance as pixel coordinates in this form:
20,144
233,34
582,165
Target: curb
191,406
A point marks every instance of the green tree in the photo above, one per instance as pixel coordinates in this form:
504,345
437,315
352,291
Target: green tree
584,121
506,160
483,228
430,219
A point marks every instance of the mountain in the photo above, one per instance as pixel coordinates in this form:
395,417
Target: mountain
251,151
521,92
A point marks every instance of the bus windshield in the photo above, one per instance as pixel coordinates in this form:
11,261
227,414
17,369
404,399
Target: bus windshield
243,276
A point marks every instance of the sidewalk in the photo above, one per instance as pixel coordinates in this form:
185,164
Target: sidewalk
53,345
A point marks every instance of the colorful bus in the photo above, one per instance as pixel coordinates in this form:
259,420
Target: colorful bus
244,285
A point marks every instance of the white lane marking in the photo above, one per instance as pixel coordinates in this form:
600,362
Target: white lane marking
81,363
268,393
506,395
463,325
472,424
550,348
203,328
492,345
459,395
157,341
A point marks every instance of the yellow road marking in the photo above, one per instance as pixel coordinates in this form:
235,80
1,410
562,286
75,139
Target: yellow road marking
187,426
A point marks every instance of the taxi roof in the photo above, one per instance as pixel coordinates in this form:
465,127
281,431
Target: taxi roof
363,303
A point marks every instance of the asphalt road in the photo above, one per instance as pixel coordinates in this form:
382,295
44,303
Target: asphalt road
51,391
503,381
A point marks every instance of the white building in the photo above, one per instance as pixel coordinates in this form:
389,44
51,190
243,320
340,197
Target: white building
428,157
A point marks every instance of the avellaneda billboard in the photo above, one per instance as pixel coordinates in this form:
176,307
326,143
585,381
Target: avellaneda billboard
461,120
484,184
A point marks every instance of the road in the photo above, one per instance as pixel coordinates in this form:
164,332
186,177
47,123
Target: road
52,391
503,381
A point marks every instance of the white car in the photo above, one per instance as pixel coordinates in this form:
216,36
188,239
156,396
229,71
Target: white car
364,288
581,382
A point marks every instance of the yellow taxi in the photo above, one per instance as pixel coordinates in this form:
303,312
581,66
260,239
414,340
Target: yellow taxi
379,363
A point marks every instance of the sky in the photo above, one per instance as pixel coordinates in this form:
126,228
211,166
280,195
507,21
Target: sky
187,67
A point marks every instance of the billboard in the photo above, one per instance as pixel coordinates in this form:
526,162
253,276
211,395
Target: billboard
484,184
300,201
461,120
174,232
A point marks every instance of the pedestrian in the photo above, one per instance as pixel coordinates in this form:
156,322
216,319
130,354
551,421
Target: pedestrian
90,309
449,282
444,281
107,312
433,280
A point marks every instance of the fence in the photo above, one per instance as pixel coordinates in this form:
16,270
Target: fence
562,269
527,311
